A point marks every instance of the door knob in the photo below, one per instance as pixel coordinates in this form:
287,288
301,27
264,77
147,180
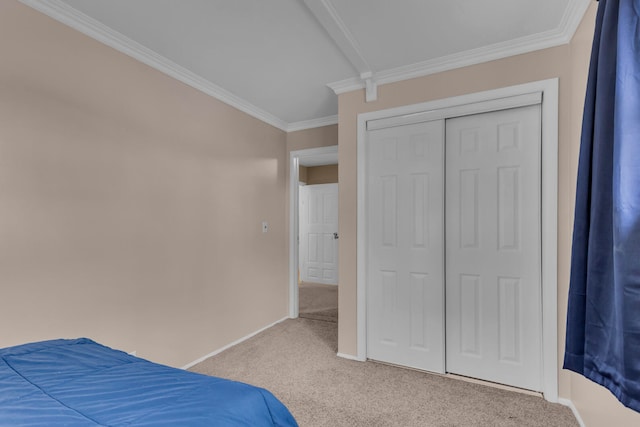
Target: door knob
335,236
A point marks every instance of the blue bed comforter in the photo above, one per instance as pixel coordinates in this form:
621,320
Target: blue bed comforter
82,383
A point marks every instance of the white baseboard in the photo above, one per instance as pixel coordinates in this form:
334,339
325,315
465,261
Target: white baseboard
350,357
569,403
228,346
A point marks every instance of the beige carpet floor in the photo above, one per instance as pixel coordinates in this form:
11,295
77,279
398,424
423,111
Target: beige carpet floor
297,361
318,301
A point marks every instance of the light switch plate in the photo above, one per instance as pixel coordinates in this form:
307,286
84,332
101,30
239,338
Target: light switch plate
265,226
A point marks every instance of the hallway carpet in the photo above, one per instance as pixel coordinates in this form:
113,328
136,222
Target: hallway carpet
318,301
296,360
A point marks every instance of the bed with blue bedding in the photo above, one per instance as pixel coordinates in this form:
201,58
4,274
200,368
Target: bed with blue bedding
82,383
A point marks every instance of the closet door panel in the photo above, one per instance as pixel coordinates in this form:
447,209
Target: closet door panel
405,259
493,247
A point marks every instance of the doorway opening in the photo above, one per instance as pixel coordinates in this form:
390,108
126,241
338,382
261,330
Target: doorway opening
313,234
318,243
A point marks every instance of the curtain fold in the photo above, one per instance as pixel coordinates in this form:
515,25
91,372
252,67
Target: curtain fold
603,320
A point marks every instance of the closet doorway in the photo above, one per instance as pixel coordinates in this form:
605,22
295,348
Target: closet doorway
451,253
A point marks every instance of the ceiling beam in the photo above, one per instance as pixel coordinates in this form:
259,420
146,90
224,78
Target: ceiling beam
327,15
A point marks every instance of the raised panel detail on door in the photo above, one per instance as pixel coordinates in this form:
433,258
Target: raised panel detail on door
405,257
389,284
389,211
469,314
469,208
420,204
419,322
509,318
318,222
493,245
508,136
508,208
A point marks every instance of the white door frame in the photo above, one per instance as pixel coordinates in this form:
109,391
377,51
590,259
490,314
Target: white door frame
295,157
492,100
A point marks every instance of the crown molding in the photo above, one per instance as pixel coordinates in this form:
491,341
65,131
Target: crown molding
77,20
314,123
346,85
472,57
573,16
571,19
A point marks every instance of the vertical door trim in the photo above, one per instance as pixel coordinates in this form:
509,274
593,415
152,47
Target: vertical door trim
294,175
549,202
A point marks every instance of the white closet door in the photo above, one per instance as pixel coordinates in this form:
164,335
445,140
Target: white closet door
493,247
319,233
405,260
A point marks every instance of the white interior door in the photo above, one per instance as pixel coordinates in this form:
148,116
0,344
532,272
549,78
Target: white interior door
318,213
405,291
493,247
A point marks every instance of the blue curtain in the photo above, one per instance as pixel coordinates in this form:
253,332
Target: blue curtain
603,322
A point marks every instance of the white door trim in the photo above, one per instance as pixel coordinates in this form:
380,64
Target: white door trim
461,105
447,109
295,157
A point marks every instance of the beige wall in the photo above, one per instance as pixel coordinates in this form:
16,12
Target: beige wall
327,174
302,174
324,136
130,204
570,64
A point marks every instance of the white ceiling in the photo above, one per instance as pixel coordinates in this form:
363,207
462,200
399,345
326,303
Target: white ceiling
283,61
